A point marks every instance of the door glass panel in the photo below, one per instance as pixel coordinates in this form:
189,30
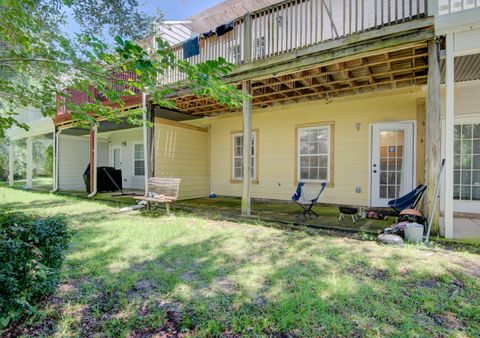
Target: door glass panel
391,163
467,162
116,158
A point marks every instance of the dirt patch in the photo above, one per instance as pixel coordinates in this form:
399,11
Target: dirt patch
363,271
225,285
470,268
429,283
379,274
67,287
447,320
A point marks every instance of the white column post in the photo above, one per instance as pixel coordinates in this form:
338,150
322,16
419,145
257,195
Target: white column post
54,160
145,140
56,156
11,162
247,146
449,132
95,163
29,184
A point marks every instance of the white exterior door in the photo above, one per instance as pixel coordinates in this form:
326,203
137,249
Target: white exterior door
392,164
466,174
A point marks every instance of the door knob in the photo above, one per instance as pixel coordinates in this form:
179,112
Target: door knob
374,171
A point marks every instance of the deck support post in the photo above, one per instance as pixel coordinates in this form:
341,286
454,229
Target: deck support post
247,146
93,161
145,142
11,162
433,131
29,182
449,134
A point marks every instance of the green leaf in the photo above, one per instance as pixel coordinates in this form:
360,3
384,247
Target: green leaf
36,251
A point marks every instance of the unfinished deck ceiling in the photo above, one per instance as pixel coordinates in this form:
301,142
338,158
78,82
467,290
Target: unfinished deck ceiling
406,67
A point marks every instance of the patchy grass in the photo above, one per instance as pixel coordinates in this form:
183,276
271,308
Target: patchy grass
40,182
285,211
132,275
278,211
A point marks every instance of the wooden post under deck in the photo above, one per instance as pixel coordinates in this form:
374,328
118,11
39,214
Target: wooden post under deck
247,146
433,130
247,119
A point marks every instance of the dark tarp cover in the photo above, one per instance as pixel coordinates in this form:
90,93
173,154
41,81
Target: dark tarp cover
104,182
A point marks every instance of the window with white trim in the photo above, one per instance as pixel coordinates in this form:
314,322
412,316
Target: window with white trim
138,160
237,158
466,174
313,154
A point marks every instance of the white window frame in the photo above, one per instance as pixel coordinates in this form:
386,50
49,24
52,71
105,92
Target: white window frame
135,159
299,155
254,156
464,203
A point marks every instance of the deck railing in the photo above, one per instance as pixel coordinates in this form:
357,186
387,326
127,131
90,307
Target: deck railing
119,82
296,24
446,7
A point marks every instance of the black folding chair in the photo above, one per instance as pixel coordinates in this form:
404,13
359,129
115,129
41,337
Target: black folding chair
303,201
408,201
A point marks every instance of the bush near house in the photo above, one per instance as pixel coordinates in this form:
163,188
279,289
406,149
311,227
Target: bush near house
31,254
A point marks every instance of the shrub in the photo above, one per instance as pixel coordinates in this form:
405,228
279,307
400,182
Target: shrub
31,254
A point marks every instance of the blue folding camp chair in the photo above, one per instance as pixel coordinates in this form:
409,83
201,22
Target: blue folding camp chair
408,201
303,201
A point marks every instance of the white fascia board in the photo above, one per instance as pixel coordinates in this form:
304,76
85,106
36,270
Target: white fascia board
458,22
37,127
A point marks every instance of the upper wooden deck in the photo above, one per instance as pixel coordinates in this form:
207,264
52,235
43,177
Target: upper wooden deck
295,25
313,49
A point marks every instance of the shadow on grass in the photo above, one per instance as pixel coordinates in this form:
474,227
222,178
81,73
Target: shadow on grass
220,283
273,289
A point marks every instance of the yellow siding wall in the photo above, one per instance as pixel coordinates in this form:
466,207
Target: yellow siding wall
183,153
276,137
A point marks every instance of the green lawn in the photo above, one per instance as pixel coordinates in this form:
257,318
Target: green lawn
143,275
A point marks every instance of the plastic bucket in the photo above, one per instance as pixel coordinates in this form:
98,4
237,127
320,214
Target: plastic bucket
414,232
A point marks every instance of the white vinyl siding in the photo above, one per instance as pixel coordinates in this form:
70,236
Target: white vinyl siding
237,158
125,141
314,154
74,157
138,160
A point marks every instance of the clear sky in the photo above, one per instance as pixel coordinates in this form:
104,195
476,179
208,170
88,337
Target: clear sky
173,10
178,9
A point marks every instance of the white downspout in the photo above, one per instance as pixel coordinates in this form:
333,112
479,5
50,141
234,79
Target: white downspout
145,140
94,191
